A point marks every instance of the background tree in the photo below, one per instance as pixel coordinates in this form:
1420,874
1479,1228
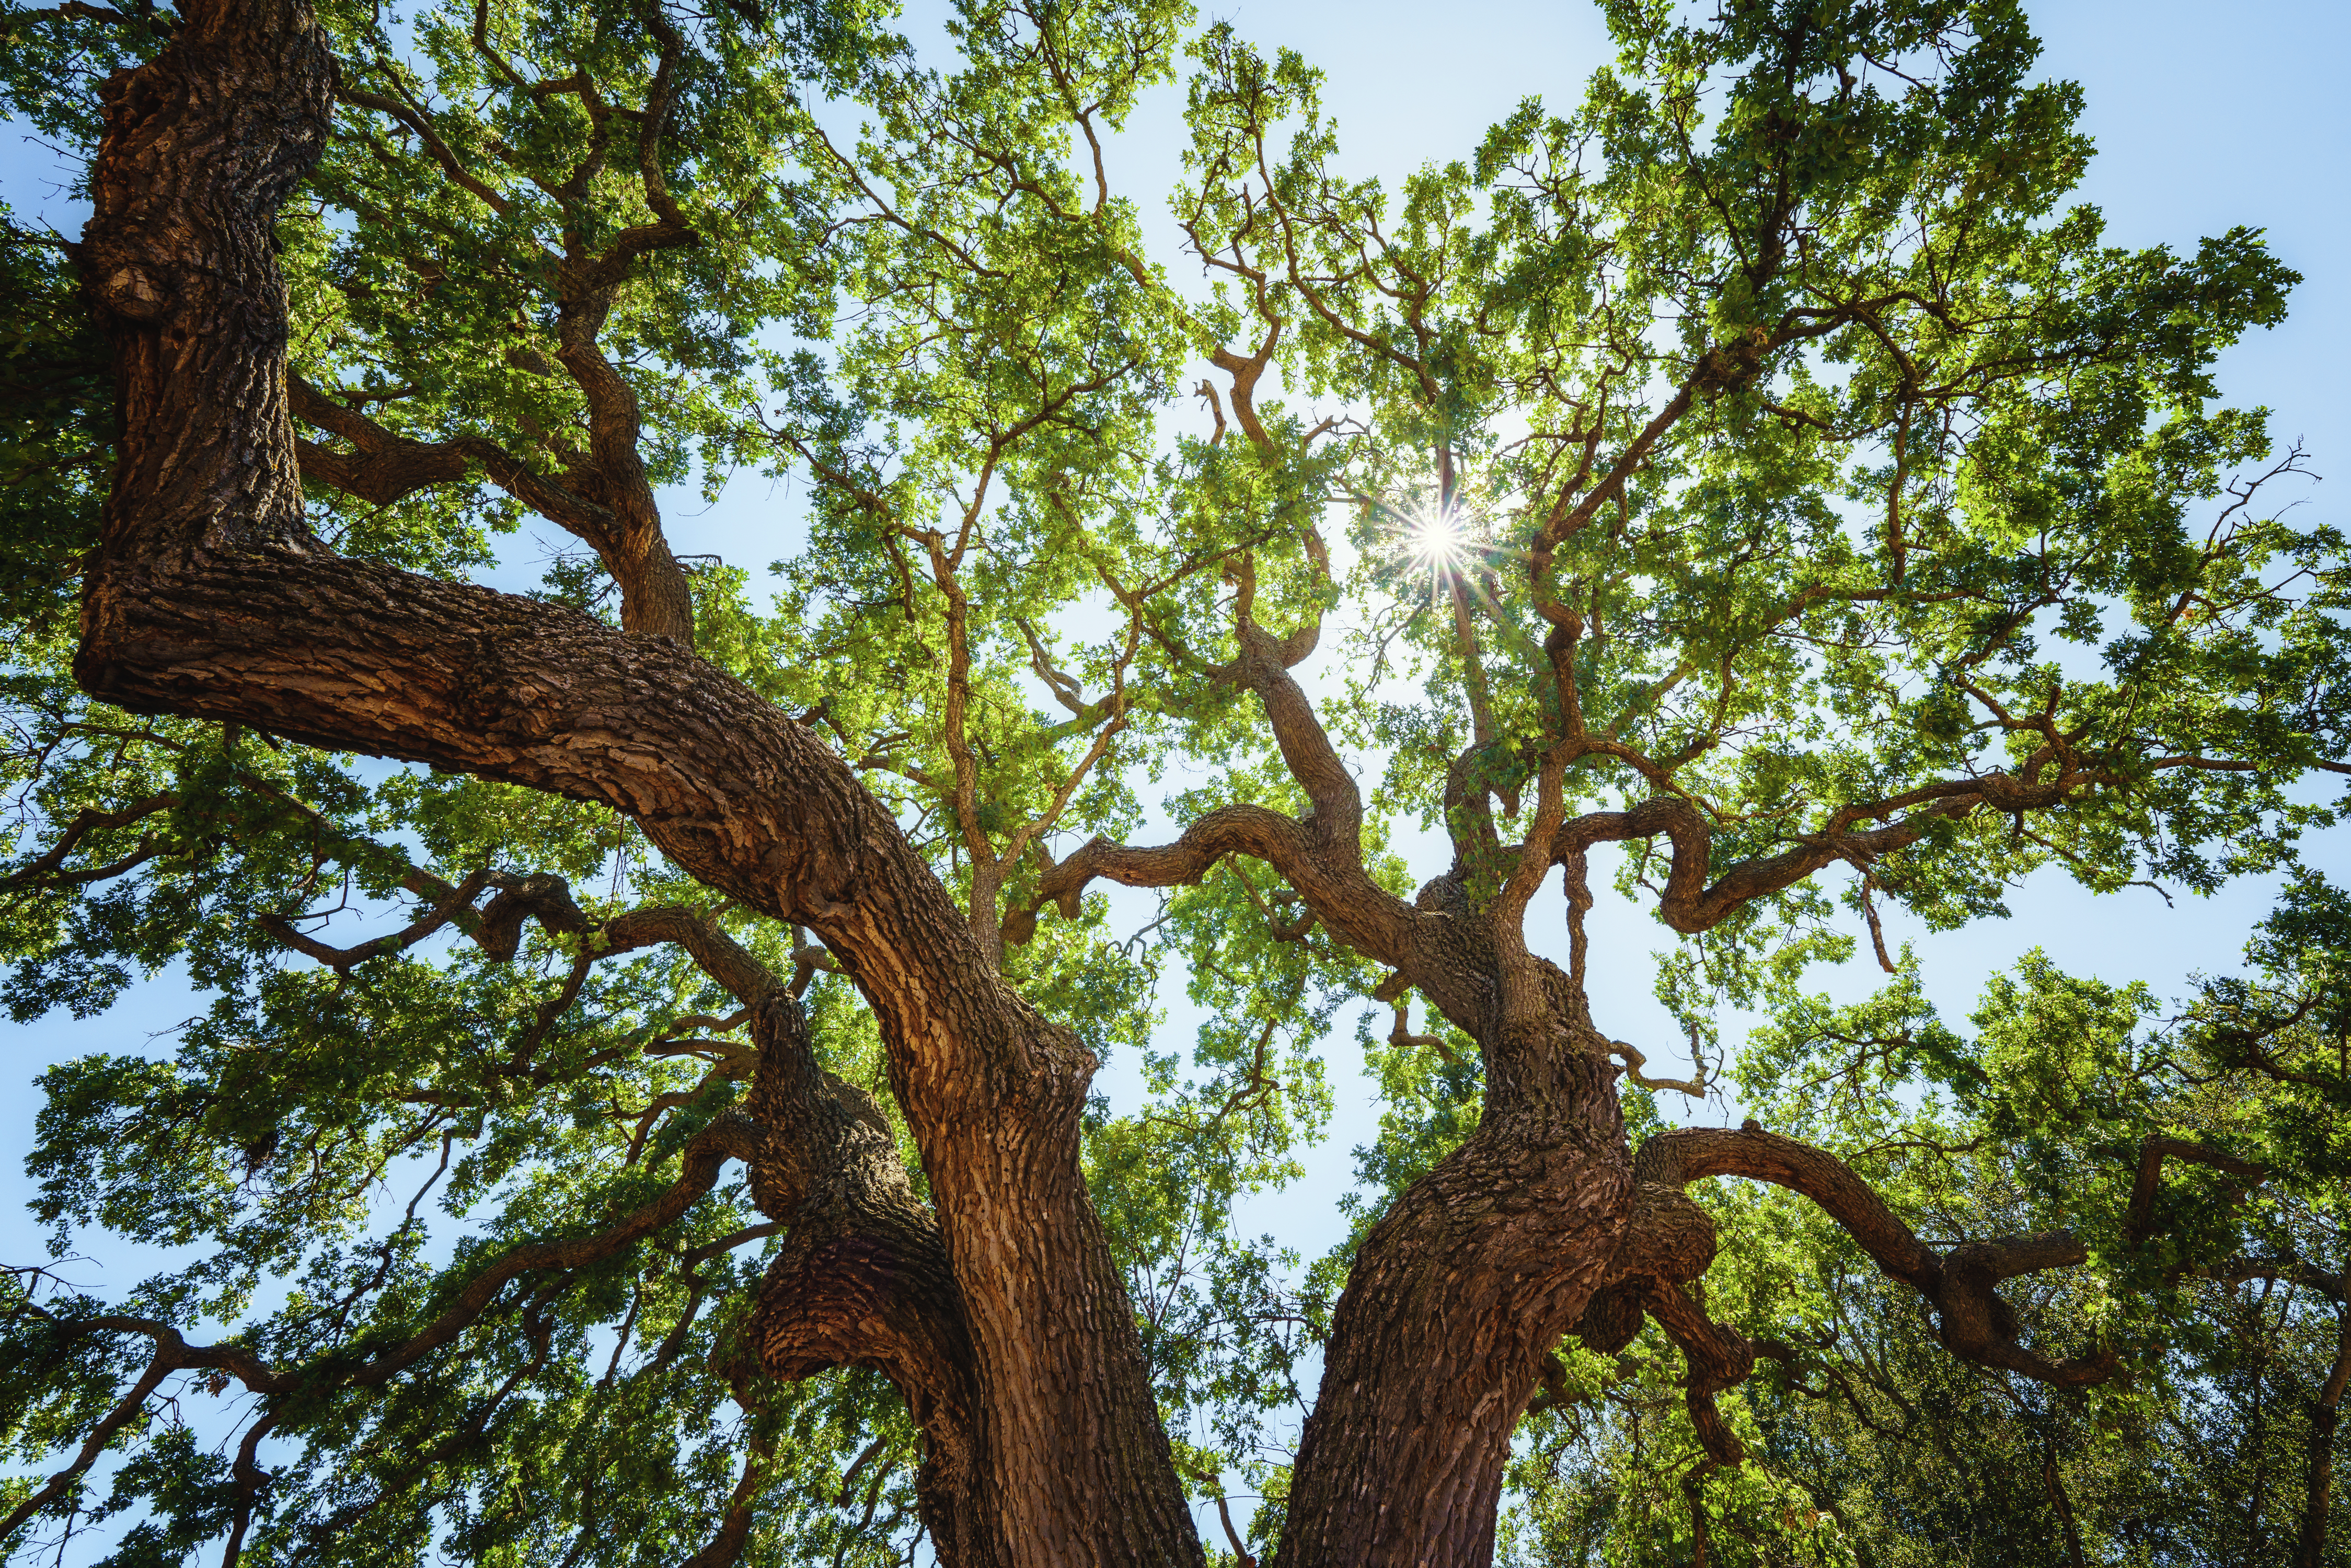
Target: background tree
1758,467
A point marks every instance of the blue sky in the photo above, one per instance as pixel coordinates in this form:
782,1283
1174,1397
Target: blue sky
2205,117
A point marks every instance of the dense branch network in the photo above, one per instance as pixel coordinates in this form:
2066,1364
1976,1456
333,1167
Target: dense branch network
1562,666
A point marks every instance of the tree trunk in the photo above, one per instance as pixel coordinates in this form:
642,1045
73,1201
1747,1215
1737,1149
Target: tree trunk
2325,1416
1455,1297
211,598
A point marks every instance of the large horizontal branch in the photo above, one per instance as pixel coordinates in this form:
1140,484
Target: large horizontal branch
1691,903
357,657
209,597
1682,1155
1975,1322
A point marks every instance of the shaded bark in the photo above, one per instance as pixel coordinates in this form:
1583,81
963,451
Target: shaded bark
2138,1221
862,1279
2325,1417
1973,1320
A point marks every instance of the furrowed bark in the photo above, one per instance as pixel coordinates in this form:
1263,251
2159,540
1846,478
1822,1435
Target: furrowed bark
1001,1317
1458,1294
863,1279
210,598
1456,1299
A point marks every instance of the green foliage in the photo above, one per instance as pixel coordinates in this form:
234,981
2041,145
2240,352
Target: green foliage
1777,367
1869,1443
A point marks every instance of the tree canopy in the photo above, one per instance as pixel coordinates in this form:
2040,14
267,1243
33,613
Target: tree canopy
643,1109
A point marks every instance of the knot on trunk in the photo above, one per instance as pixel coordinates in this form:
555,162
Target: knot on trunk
1612,1319
829,1304
1666,1237
1974,1320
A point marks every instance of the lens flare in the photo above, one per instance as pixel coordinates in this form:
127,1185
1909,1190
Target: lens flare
1436,541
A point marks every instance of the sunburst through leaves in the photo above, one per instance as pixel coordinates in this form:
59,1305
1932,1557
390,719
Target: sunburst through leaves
1435,542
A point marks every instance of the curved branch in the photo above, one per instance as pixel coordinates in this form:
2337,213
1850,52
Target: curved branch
1328,879
342,960
1634,1061
1690,904
126,1410
209,597
1683,1156
1718,1358
44,870
1264,665
2140,1222
387,468
1253,830
725,1549
1974,1322
2336,1288
864,1277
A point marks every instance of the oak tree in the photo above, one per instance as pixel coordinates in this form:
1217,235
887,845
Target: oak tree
1757,475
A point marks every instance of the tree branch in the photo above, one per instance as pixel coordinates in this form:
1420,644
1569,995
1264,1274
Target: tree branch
2140,1222
1975,1322
1689,905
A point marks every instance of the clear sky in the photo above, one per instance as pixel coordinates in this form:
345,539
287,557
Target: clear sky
2205,117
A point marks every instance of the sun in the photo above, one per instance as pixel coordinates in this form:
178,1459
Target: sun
1436,541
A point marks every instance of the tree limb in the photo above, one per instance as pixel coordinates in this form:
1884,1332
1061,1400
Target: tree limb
2140,1222
1974,1322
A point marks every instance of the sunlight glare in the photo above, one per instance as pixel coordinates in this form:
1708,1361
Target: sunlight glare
1436,541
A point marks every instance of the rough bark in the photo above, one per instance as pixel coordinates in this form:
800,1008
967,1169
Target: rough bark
864,1277
1459,1293
2326,1417
1456,1299
998,1313
210,598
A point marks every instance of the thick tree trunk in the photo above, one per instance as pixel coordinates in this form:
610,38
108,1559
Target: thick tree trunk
1456,1299
211,598
862,1279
